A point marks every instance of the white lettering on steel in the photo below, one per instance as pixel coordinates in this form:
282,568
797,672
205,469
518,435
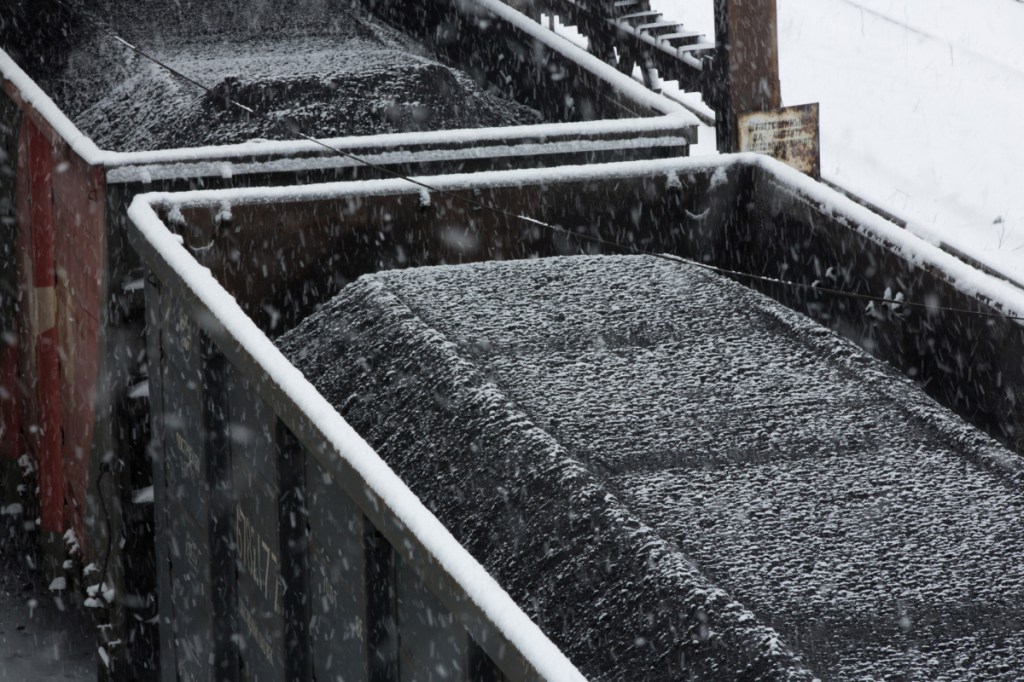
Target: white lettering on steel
189,456
260,637
258,559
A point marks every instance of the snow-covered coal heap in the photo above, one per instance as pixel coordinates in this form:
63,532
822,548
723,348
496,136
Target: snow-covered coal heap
324,74
665,468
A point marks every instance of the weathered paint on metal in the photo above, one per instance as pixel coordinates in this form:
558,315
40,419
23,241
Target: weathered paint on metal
260,598
267,480
59,249
42,297
338,629
11,447
156,319
193,588
25,397
220,519
186,460
790,134
79,219
195,526
433,645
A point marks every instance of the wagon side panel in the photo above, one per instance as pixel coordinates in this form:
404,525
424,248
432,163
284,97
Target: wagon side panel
79,219
11,447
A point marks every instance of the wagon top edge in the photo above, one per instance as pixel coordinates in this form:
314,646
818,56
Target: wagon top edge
668,116
779,180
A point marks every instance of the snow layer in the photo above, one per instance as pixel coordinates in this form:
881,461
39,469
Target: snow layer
920,109
29,92
43,636
658,464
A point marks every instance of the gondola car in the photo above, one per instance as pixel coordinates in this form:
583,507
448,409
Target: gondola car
508,442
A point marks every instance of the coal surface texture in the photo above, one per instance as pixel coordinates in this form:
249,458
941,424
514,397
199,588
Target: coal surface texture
674,475
311,71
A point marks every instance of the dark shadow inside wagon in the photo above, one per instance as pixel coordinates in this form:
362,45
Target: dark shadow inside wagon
281,261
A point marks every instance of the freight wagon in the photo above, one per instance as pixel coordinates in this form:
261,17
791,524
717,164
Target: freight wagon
256,468
74,405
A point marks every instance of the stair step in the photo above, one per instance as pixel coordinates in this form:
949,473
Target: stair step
637,18
695,47
659,28
628,7
681,38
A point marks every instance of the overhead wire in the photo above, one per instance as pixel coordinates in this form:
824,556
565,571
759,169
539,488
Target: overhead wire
482,205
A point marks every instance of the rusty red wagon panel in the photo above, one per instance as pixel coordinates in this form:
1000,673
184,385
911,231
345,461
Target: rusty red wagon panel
61,224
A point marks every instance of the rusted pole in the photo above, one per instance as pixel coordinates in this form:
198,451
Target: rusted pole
746,73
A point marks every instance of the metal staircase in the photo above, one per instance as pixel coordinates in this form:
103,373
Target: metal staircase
664,49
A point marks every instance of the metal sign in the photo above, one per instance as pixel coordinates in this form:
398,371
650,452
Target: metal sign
789,135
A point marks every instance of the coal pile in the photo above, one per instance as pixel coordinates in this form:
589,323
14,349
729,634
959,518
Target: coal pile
321,73
665,468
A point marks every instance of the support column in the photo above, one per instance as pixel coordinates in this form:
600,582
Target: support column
746,77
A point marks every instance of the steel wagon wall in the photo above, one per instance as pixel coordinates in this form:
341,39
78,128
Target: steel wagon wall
10,426
972,364
228,472
742,213
249,451
53,286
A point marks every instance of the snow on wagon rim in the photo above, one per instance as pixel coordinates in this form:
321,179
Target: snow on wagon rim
1000,294
673,115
